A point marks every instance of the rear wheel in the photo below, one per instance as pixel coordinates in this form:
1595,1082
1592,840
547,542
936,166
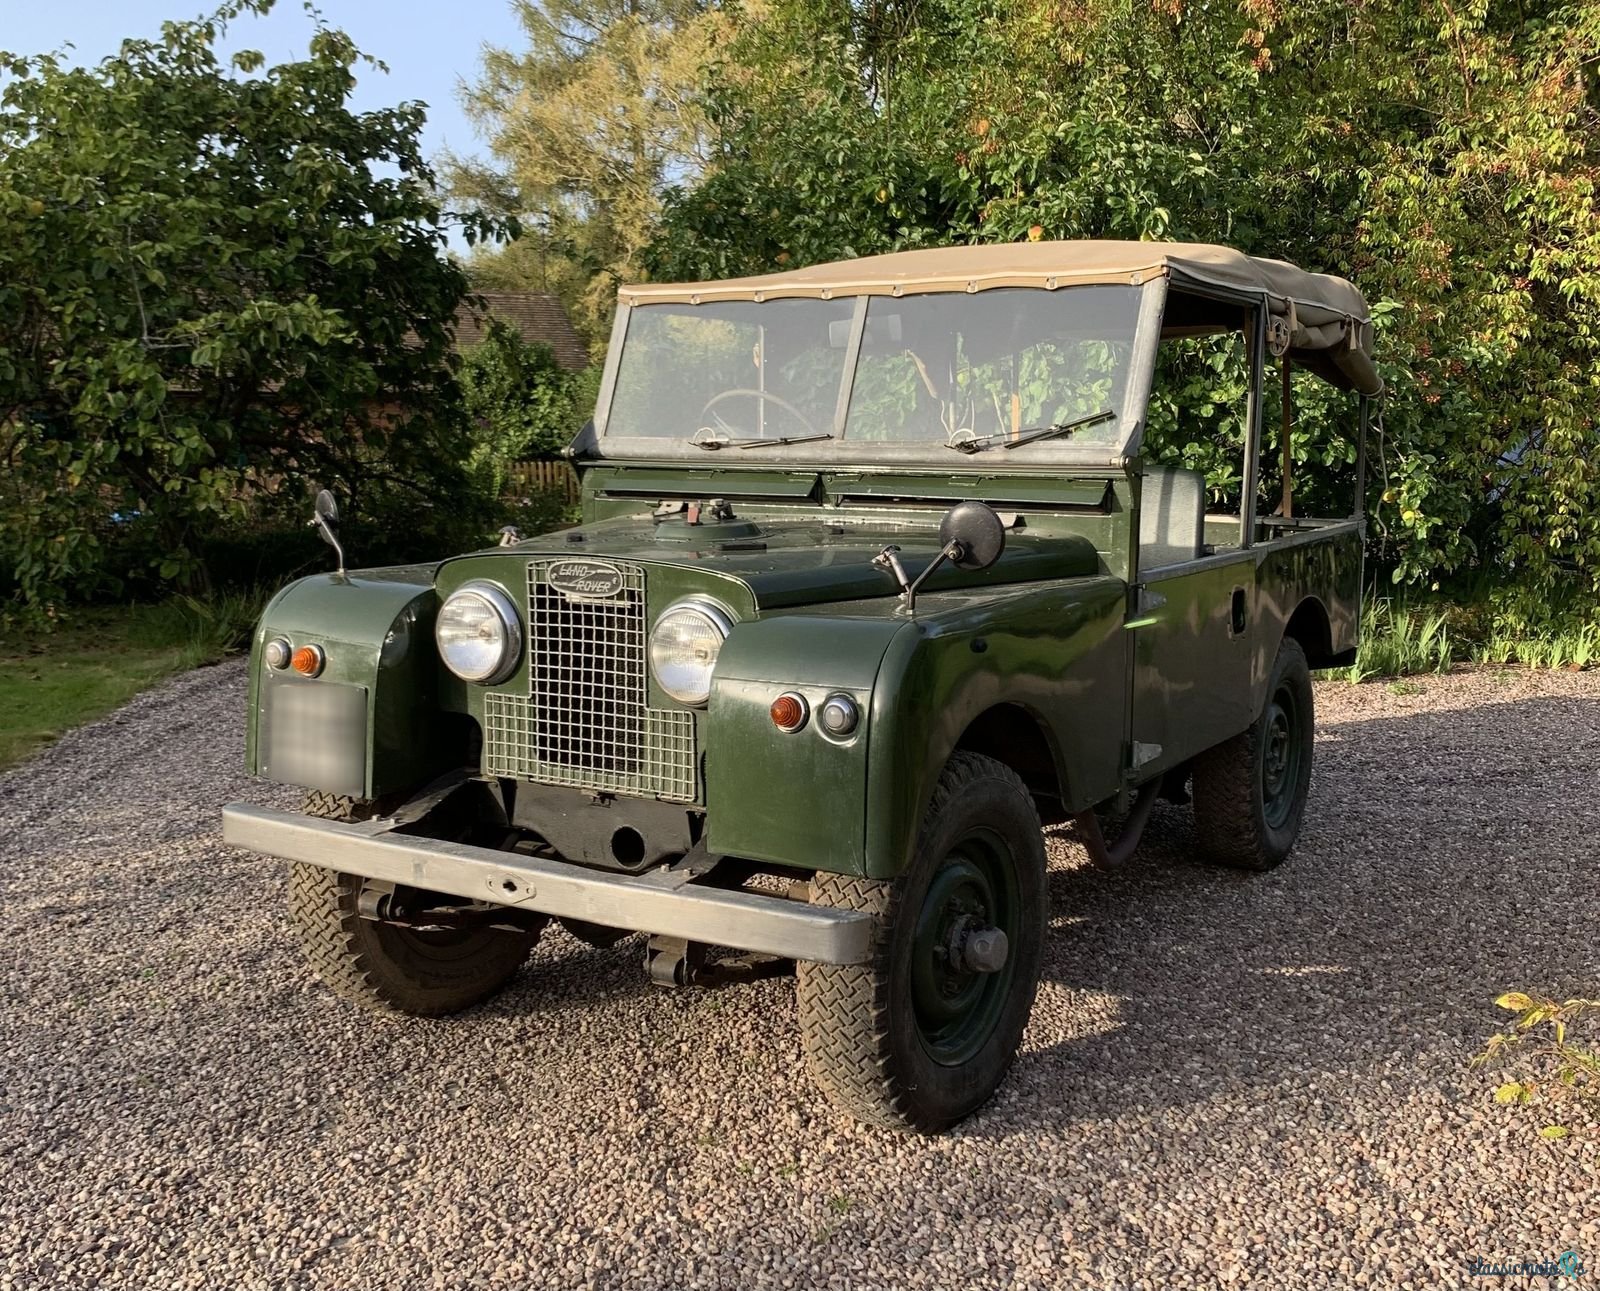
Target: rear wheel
1250,792
385,967
923,1033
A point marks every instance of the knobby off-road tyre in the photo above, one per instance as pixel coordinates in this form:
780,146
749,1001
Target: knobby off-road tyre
391,969
911,1040
1250,792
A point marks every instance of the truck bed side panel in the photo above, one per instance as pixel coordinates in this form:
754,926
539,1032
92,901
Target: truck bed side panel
1323,565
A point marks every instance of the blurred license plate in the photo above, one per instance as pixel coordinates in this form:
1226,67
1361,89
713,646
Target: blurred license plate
315,734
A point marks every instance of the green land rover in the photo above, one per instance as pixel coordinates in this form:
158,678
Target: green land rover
872,582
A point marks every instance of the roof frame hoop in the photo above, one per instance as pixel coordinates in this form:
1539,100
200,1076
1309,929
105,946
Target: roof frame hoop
1252,420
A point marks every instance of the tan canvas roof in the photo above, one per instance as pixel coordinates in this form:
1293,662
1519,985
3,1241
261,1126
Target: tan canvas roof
1329,323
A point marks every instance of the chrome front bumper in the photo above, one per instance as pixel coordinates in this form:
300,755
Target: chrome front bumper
658,902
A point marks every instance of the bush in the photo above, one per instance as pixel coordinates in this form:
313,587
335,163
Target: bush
521,402
220,286
1397,641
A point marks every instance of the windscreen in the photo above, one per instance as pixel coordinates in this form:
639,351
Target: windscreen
993,365
734,368
937,369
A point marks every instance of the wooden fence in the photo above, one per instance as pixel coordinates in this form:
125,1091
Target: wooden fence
542,475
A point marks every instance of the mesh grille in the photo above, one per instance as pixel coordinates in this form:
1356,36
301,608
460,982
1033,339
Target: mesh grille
585,720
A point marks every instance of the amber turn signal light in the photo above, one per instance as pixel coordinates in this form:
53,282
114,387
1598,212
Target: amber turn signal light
789,712
307,661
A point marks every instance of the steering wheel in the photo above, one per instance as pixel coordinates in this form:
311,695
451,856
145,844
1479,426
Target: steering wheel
747,392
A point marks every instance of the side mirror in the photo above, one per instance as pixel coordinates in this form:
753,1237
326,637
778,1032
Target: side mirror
327,510
973,535
325,520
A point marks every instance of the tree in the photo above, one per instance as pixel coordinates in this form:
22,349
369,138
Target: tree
521,402
217,285
1446,158
586,125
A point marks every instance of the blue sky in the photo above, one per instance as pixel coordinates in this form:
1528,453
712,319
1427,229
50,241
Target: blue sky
429,45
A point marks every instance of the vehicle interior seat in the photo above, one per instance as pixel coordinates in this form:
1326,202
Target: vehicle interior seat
1172,517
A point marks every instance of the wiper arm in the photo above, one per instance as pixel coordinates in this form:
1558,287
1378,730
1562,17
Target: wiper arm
757,442
977,443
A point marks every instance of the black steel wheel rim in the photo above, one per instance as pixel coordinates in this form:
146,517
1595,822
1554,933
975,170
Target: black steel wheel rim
957,1008
1282,754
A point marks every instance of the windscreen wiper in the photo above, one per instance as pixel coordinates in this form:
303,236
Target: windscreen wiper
757,442
977,443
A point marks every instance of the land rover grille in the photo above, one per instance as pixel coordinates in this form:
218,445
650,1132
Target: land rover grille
585,719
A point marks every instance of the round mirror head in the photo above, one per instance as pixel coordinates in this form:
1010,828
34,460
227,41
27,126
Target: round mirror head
976,529
327,509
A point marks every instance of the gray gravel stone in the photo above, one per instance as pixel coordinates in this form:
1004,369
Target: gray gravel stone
1230,1080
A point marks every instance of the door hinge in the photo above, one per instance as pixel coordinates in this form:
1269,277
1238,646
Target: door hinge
1145,605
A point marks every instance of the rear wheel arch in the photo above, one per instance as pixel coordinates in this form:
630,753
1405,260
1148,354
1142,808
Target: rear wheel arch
1312,627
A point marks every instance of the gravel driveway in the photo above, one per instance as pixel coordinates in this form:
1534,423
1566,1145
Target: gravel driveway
1228,1081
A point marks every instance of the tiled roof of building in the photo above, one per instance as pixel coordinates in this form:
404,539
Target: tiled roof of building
537,315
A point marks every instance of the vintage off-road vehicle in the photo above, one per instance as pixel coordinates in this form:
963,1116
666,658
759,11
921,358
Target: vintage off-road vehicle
872,580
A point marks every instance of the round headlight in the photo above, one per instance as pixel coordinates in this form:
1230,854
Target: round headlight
478,634
684,645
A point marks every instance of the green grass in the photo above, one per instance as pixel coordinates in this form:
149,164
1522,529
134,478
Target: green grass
1575,648
80,669
1402,640
1397,641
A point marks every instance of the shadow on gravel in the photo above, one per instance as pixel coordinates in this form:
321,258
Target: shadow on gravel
566,975
1442,861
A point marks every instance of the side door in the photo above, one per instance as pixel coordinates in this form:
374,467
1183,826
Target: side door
1192,613
1192,630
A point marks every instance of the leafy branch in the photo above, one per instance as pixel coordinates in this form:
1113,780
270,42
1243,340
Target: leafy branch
1547,1068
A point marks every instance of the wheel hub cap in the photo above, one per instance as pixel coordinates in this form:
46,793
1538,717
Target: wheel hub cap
978,949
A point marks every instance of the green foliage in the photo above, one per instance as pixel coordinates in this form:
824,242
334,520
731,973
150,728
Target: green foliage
1573,648
211,627
521,402
1402,636
1549,1069
540,511
585,123
1196,419
1196,415
1398,641
219,286
1446,160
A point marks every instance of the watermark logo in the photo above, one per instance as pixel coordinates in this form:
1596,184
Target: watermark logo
1566,1265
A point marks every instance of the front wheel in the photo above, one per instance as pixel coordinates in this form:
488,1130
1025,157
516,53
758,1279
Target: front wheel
923,1033
1250,791
384,967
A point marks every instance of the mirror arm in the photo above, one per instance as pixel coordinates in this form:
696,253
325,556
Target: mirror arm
889,559
331,538
953,550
